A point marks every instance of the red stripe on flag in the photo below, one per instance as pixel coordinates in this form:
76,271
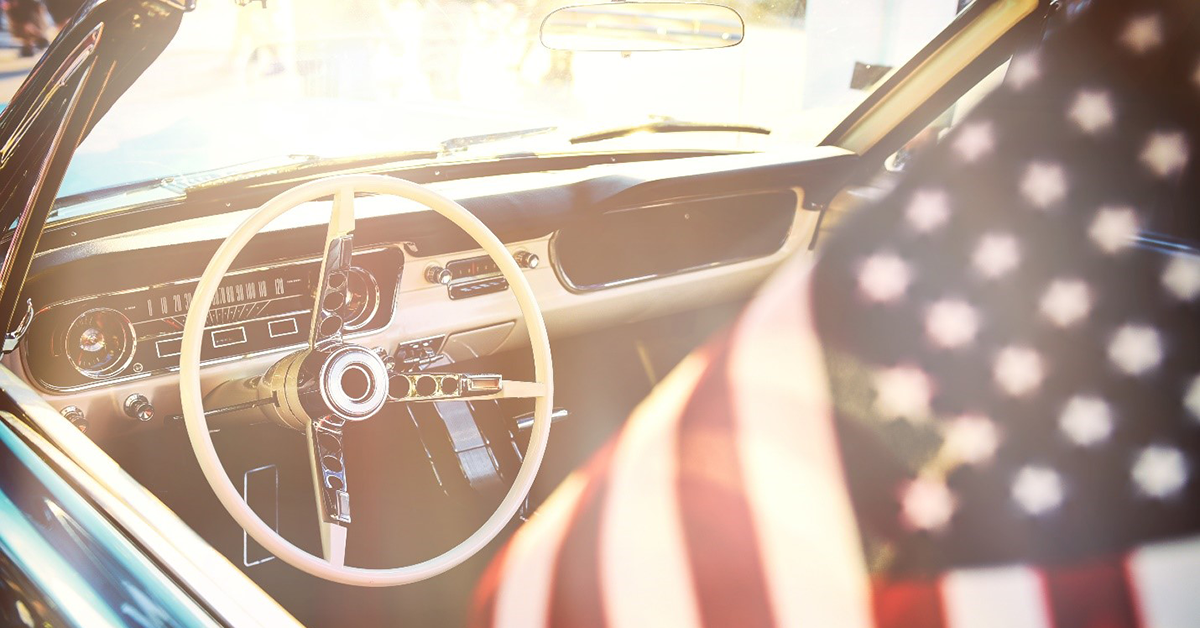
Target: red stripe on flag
907,604
1131,584
719,533
585,509
483,603
1091,595
576,598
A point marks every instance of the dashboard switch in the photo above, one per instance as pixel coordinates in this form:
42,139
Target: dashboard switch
437,274
478,287
137,406
389,362
417,353
75,416
525,259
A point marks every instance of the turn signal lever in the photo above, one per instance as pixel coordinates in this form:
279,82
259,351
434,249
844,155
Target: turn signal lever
524,422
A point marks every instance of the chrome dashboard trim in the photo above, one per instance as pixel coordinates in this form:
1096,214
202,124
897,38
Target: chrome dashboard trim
227,341
246,562
116,368
271,328
132,377
373,286
556,261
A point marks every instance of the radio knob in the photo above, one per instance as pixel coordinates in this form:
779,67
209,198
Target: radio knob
138,407
75,416
437,274
525,259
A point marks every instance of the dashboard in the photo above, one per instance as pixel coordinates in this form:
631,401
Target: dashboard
97,340
600,246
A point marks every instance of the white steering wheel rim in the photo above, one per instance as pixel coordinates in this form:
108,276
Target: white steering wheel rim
192,397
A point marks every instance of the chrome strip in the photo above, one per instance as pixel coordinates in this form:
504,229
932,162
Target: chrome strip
1152,241
206,574
246,562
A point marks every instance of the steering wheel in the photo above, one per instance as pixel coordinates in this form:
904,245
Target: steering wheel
331,382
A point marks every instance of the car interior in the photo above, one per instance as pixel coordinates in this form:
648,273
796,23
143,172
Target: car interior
634,257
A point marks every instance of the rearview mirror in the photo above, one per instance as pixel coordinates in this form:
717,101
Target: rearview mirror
642,26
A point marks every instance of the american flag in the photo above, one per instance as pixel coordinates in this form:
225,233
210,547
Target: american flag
981,406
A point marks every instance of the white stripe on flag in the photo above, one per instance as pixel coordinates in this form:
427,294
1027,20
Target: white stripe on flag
645,576
1000,597
523,596
1165,578
807,535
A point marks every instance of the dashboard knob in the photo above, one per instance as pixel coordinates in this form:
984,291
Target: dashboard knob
75,416
138,407
389,362
525,259
437,274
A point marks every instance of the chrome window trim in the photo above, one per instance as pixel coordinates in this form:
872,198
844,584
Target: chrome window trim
203,572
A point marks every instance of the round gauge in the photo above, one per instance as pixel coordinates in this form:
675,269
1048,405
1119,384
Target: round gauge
100,342
363,299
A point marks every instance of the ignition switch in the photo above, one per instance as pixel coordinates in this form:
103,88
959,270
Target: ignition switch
76,417
137,406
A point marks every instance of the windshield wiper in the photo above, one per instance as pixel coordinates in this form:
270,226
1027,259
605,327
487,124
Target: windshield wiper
312,164
669,125
295,164
456,144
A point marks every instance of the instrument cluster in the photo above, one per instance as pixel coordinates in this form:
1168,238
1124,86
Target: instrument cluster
100,339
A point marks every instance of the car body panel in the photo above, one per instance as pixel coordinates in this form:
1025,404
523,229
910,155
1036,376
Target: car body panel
74,566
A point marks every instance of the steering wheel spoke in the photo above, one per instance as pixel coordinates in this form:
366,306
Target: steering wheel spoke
328,318
327,460
426,386
333,543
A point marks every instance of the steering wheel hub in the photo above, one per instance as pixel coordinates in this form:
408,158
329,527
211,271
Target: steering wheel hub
353,382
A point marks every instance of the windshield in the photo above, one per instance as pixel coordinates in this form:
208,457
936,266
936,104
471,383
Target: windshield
315,78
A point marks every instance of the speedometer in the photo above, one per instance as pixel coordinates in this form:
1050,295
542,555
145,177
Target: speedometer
100,342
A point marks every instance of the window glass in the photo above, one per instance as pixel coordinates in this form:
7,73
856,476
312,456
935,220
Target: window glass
255,85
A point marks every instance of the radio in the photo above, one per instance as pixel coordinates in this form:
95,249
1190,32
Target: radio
472,267
475,276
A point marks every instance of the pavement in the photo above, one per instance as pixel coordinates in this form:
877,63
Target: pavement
13,68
